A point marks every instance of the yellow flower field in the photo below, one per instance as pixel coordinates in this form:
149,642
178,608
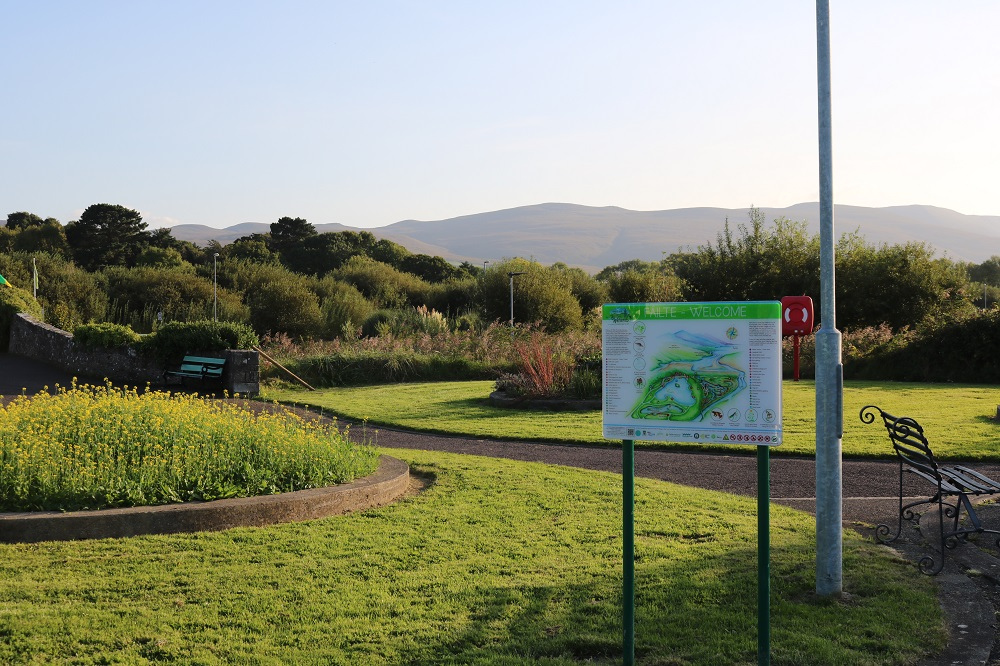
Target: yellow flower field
90,447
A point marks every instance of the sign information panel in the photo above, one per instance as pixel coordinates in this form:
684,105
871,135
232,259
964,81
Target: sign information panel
693,372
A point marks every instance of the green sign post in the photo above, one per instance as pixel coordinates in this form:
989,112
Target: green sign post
693,372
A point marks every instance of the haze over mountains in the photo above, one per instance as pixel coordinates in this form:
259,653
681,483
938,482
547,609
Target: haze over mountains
595,237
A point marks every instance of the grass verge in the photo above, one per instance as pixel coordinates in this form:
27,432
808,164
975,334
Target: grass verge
497,563
957,419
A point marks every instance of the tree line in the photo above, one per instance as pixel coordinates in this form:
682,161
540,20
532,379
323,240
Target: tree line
108,266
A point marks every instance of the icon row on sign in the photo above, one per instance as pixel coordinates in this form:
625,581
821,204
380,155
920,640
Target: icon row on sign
751,439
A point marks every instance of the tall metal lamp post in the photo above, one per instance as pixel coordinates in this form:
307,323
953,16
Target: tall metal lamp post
829,366
484,265
511,276
215,287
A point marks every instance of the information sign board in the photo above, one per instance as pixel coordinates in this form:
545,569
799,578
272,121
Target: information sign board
693,372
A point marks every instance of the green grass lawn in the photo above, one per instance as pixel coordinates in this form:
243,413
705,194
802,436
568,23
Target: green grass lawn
498,562
957,419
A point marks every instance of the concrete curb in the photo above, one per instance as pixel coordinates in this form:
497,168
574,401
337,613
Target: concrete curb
386,484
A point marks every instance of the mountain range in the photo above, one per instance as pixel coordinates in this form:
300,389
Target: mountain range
595,237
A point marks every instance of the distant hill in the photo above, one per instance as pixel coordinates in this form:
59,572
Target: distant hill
593,238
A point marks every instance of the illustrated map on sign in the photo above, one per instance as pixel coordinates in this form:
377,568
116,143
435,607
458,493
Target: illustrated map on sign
689,375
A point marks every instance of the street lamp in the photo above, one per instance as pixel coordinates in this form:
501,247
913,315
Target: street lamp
511,276
484,265
215,287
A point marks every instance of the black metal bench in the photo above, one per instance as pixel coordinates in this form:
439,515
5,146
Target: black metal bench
953,486
202,368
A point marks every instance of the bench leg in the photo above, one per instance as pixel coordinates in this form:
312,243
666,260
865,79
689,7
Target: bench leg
927,564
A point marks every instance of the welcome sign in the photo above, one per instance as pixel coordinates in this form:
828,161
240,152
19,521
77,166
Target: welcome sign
693,372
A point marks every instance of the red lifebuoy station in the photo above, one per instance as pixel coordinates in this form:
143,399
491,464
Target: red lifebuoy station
797,320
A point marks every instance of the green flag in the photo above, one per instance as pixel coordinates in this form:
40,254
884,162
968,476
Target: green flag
3,281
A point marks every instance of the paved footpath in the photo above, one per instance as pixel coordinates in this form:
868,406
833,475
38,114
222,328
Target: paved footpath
870,496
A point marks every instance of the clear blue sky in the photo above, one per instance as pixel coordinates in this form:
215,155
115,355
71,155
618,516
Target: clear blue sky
367,113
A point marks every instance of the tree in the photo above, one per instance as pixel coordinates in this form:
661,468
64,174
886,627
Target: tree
23,220
432,269
757,262
49,237
289,231
107,235
987,272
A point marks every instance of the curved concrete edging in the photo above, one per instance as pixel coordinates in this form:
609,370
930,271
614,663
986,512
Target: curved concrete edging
386,484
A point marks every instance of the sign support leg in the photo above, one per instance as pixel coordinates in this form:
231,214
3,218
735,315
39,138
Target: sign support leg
763,556
795,364
628,551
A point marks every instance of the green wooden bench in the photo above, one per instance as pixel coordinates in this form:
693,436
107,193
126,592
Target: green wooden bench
202,368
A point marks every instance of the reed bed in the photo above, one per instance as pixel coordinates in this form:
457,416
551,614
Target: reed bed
92,447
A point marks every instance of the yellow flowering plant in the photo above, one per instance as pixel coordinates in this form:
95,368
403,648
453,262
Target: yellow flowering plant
92,447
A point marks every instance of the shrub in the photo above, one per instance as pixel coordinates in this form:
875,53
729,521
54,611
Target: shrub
542,296
172,341
141,296
360,367
543,370
401,323
279,300
964,350
69,296
105,336
12,301
382,284
343,308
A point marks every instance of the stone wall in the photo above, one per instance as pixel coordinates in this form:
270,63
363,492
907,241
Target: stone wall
40,341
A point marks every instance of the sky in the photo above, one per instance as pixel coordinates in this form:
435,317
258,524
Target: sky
368,113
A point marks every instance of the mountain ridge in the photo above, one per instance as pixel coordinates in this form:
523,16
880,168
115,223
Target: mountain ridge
594,237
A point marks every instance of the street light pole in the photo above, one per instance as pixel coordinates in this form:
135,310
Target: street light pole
829,367
215,287
484,265
511,276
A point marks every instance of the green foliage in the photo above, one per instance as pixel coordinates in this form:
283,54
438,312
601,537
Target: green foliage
251,249
343,307
431,269
385,286
585,383
754,263
12,301
171,342
107,235
23,220
404,322
144,295
987,272
290,231
455,297
160,257
900,285
105,336
279,300
895,284
68,295
654,285
963,350
587,290
542,296
49,237
359,367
